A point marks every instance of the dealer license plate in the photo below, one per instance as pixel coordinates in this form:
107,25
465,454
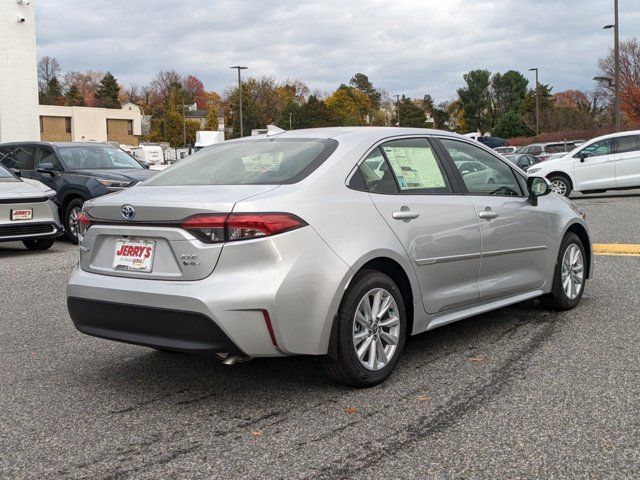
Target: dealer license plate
22,214
134,255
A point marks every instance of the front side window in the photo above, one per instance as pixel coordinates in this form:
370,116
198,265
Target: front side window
597,149
482,173
253,162
4,173
88,157
628,143
416,168
44,155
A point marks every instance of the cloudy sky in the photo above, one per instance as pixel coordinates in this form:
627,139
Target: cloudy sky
411,47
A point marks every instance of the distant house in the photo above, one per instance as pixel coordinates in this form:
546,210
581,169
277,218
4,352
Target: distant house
84,124
201,117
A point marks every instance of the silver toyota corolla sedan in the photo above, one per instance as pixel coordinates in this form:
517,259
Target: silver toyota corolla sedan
27,212
336,242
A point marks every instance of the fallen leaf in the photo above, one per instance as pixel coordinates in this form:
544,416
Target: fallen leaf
424,398
351,410
256,433
476,359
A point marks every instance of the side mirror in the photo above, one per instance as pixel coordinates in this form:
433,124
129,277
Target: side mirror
582,156
538,187
46,168
16,172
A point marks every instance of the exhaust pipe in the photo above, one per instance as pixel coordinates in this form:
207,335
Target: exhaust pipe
228,359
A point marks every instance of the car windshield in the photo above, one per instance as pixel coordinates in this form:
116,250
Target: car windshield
255,162
84,157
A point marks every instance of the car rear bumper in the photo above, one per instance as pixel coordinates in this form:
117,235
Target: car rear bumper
270,297
149,326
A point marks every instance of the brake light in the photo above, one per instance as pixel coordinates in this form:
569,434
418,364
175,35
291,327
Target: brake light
240,226
84,222
208,228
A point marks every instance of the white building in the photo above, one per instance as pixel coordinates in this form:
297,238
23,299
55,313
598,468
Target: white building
18,71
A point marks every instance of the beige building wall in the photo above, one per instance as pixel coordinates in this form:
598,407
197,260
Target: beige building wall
90,124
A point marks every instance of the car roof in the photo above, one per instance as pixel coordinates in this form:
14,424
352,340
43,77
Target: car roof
339,133
59,144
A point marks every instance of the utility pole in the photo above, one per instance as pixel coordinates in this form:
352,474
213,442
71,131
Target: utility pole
616,54
238,67
290,127
398,108
537,101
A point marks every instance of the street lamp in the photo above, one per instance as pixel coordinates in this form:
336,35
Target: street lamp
398,108
238,67
616,50
537,101
609,81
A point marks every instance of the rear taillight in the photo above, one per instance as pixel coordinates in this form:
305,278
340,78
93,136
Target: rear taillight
240,226
208,228
84,222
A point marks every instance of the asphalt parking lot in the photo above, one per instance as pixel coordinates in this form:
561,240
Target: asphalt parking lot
518,393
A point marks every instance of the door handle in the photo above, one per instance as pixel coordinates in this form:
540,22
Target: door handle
405,215
488,214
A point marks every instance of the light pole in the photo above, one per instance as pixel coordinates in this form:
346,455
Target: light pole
537,101
616,54
398,108
238,67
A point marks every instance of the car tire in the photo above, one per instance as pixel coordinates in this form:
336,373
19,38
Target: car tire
70,218
353,331
570,267
561,185
38,244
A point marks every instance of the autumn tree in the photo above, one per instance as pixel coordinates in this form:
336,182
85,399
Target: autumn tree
87,84
195,92
629,77
108,92
350,105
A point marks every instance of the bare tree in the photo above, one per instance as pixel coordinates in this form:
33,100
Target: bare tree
48,68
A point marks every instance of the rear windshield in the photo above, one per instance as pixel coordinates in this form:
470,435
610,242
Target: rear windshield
255,162
79,158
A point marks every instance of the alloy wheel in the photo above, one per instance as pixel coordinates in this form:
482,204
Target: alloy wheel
560,187
73,221
376,329
572,271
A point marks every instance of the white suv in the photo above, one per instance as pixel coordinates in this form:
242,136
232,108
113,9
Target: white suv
610,162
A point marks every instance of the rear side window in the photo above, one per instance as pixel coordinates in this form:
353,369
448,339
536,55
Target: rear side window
254,162
415,166
629,143
18,157
535,150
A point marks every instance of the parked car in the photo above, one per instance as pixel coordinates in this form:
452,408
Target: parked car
27,212
76,171
543,150
505,150
609,162
522,160
336,242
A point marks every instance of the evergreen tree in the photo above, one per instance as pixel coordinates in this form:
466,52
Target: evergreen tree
290,117
361,82
315,113
108,91
411,115
73,98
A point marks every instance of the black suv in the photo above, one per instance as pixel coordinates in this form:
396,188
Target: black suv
76,171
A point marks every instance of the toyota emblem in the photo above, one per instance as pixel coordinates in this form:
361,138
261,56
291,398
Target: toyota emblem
128,212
